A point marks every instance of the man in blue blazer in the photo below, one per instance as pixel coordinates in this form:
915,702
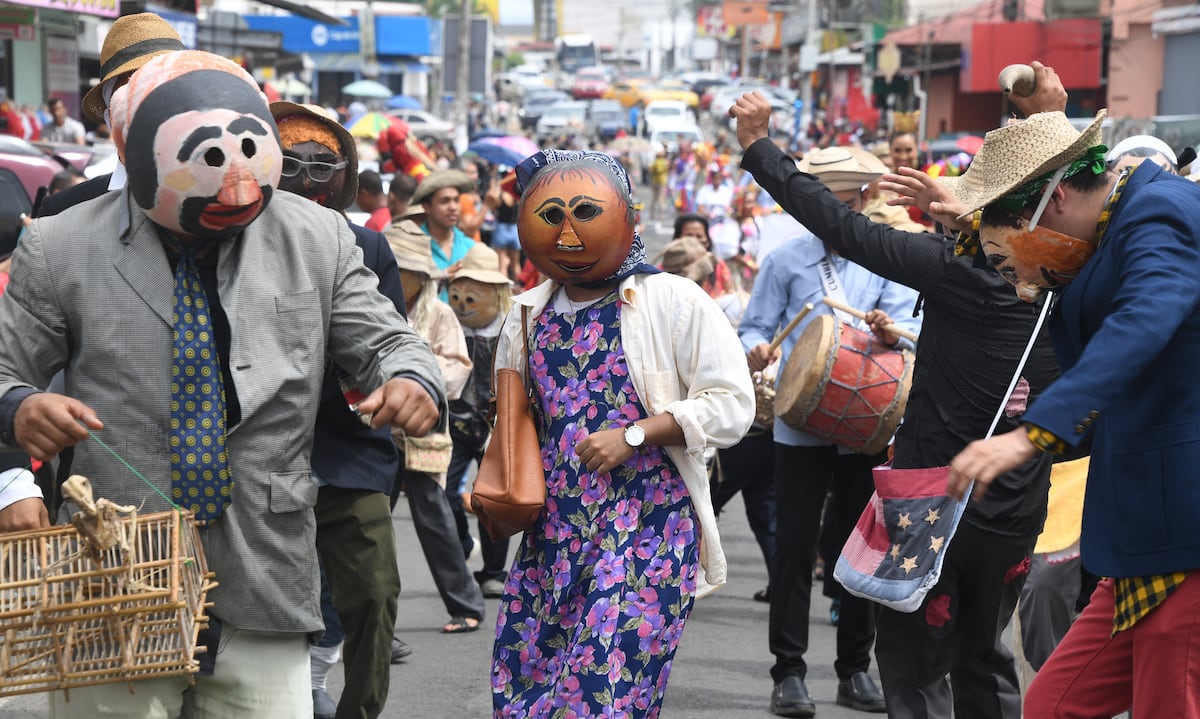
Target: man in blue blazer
1121,251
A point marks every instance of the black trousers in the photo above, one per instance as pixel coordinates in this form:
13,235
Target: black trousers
749,467
495,554
802,477
957,632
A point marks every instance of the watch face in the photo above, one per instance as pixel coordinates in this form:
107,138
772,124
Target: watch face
634,435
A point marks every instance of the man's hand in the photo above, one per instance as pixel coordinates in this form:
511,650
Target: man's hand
604,451
24,514
1050,95
753,115
761,356
882,327
985,459
403,403
917,188
46,423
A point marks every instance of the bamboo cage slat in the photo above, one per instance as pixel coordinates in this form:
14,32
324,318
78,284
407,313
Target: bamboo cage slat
69,621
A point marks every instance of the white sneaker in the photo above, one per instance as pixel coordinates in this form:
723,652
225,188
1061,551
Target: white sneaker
476,550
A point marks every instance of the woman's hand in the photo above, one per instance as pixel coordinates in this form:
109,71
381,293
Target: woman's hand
605,450
917,188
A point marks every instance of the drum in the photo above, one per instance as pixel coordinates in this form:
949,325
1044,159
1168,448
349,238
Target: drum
842,385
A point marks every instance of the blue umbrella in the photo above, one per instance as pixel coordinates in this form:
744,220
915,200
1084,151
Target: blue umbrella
489,132
403,102
496,154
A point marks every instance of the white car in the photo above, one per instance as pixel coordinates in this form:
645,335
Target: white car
427,128
568,117
667,137
666,113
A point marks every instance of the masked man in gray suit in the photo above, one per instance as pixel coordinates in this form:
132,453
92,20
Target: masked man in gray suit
192,314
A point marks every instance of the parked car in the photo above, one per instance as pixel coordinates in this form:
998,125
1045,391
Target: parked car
515,84
427,128
668,112
590,83
569,117
606,118
535,104
33,167
667,137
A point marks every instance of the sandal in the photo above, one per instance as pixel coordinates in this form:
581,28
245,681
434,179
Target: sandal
460,625
763,595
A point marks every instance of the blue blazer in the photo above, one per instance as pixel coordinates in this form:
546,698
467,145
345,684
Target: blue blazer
1127,335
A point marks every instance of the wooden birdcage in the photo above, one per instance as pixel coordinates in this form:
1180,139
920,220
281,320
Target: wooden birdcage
75,612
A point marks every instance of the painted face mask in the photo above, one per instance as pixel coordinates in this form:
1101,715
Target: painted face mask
199,143
575,222
475,303
1033,260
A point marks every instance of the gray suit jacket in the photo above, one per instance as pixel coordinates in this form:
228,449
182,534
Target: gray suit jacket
92,294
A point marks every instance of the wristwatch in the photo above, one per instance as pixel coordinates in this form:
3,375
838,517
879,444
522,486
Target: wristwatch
635,436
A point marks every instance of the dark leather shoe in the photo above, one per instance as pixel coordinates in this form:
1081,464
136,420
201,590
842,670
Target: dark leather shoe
400,650
790,699
323,705
859,692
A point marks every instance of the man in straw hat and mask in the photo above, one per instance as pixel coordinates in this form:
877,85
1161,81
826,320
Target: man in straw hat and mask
799,272
973,334
132,41
199,268
1119,249
354,463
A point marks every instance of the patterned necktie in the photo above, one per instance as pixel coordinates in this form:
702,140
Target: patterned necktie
200,479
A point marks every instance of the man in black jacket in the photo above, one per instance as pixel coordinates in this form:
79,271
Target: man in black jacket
972,337
355,464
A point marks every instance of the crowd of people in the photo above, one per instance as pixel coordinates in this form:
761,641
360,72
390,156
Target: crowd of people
287,376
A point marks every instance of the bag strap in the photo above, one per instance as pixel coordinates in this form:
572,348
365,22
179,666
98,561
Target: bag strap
525,340
1012,386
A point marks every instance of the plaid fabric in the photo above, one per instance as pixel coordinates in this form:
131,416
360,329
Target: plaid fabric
1045,441
1135,597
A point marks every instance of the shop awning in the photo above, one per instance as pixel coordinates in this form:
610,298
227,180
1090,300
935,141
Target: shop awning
352,62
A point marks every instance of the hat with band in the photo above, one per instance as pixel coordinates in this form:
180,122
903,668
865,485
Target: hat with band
843,168
299,123
132,41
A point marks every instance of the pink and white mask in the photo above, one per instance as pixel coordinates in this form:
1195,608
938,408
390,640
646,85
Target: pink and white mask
199,144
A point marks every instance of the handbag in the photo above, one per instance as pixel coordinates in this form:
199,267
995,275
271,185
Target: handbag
510,487
895,553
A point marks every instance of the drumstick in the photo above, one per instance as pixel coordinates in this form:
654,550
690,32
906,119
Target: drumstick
860,315
788,330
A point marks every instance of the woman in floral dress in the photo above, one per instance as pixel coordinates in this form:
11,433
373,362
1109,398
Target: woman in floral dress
636,373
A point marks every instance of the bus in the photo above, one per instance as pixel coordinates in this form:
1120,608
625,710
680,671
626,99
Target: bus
572,52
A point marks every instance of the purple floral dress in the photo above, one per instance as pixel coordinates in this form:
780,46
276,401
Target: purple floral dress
603,583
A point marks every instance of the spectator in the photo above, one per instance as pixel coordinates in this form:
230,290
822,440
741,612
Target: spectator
372,200
400,193
63,130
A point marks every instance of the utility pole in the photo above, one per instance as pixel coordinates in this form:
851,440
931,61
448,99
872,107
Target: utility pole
809,49
462,86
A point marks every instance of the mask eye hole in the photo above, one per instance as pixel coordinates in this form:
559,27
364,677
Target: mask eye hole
554,215
214,157
586,212
249,148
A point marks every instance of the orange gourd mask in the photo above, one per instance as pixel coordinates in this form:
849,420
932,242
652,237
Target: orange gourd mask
1033,260
576,222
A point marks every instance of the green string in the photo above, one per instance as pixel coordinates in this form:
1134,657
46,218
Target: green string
131,469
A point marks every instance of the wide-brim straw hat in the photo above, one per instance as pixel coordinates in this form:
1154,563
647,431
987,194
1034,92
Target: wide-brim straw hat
843,168
283,109
1016,155
411,247
440,180
482,264
132,41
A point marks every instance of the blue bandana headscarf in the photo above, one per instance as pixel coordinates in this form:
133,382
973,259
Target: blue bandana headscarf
635,261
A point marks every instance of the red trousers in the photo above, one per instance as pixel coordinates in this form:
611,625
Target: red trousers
1153,668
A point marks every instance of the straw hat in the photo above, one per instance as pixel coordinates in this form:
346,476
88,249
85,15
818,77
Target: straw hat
440,180
131,42
284,109
482,264
843,168
411,248
688,258
1020,153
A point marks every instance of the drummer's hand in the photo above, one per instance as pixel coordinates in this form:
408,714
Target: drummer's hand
914,187
878,320
605,450
761,356
24,514
1050,95
985,459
